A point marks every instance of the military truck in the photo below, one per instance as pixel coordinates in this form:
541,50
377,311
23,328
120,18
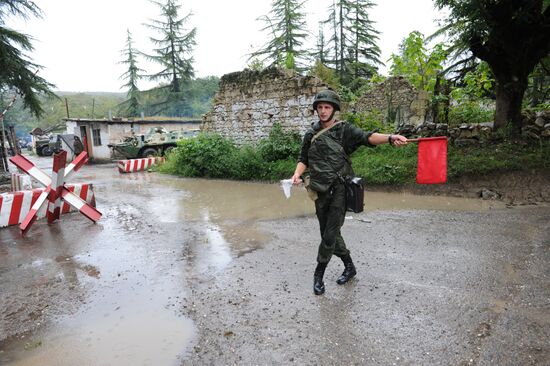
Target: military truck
41,138
156,142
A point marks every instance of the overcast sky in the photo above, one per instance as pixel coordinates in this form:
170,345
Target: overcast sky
79,41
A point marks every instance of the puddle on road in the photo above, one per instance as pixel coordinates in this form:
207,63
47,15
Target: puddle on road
134,338
246,201
121,303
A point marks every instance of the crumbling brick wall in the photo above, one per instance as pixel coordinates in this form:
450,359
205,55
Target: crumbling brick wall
396,100
248,103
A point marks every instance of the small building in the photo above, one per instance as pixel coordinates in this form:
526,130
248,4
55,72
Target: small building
96,134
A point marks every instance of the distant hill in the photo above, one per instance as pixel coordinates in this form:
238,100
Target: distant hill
194,101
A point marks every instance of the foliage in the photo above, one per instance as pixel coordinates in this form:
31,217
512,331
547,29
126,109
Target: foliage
511,36
213,156
470,111
194,100
500,157
471,102
256,65
351,49
416,63
174,45
479,83
385,164
207,155
279,145
538,91
285,24
131,107
325,74
18,74
368,121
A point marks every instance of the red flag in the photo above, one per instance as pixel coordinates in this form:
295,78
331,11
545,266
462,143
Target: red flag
432,160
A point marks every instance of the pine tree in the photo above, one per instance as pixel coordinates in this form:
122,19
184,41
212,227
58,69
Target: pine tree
352,44
17,72
174,47
365,53
286,24
131,107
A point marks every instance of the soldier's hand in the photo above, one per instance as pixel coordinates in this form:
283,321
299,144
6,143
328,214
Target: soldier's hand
296,179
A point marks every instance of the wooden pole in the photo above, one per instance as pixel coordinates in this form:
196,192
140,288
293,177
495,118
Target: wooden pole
4,154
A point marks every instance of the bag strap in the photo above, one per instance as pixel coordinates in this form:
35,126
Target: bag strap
323,131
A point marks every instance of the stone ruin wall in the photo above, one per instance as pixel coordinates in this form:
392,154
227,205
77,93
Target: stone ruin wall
249,103
398,97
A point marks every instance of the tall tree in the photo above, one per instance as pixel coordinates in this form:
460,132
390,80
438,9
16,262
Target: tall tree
512,36
174,46
419,65
286,25
131,106
17,72
364,53
354,41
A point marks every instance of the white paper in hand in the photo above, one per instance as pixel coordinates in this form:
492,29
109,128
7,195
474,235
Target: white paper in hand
287,185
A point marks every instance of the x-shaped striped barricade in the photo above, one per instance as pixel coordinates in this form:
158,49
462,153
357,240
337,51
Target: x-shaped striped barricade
55,188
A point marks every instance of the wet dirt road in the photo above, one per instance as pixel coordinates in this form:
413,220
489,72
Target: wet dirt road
183,271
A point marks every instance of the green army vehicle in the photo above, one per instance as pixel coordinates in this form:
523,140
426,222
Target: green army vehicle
156,142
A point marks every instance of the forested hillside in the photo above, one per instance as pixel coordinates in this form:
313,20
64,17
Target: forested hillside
194,101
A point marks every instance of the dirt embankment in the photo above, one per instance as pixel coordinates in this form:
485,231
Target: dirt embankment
515,187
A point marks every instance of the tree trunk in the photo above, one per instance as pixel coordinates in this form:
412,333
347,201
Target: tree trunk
509,96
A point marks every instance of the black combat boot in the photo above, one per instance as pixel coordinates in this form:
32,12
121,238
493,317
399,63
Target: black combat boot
318,284
349,270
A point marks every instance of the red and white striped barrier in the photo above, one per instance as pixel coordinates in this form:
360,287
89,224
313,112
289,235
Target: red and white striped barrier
137,165
20,182
14,206
58,176
58,189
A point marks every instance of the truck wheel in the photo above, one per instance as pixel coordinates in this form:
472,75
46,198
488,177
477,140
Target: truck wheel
169,150
149,153
45,151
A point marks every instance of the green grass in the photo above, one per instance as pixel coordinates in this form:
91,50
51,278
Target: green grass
386,165
211,156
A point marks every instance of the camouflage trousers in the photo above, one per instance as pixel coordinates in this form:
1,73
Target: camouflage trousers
330,208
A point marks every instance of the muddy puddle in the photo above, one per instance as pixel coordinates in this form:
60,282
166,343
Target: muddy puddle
113,293
221,200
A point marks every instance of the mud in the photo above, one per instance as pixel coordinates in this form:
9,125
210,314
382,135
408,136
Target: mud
183,271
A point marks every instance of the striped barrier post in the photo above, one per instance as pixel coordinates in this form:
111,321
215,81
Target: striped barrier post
58,176
15,206
137,165
27,166
20,182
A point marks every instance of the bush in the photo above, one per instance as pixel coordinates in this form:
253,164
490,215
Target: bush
279,145
470,112
207,155
213,156
368,121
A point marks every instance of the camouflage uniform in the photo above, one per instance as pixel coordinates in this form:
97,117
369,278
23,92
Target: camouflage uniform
330,206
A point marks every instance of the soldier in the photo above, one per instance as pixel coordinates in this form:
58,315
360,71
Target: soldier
325,153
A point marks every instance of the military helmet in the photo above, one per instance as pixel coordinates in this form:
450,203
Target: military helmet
327,96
